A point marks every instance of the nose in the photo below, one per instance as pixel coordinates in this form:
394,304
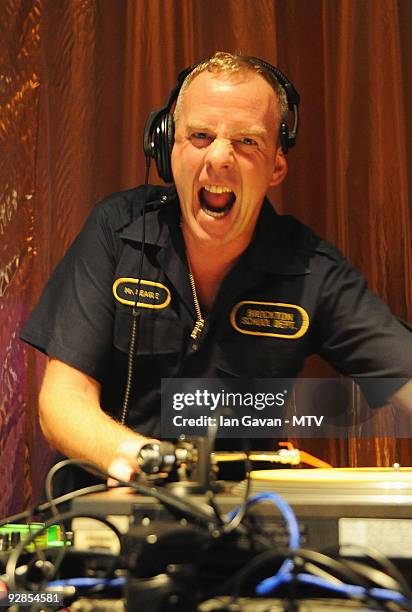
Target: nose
220,154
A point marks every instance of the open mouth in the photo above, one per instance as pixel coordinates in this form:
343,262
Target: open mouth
216,201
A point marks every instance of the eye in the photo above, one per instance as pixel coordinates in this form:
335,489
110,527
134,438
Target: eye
246,144
250,142
200,139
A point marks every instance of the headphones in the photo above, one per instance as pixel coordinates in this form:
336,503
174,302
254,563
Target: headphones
158,135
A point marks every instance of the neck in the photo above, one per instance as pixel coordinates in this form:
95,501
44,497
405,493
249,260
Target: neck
209,265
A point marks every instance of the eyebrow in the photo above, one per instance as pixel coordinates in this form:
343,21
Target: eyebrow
254,130
197,127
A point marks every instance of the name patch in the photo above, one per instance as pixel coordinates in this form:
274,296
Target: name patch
151,294
273,319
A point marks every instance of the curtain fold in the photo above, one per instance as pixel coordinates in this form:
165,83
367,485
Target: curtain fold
77,81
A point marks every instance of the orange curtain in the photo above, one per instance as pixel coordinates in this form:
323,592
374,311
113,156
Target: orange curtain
77,80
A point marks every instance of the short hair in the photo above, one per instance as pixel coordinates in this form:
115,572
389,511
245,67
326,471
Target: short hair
226,63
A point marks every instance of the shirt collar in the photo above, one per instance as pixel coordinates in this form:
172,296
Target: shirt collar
275,247
162,219
281,244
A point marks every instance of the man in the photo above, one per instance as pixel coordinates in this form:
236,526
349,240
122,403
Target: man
217,261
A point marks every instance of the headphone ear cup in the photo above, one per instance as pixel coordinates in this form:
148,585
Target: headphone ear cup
284,137
169,140
163,138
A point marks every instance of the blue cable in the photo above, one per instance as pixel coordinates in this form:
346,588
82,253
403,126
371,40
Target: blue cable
286,510
284,575
388,595
340,589
88,583
292,525
349,590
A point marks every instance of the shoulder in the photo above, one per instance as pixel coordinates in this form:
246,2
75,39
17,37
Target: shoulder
296,246
331,276
103,228
120,209
302,238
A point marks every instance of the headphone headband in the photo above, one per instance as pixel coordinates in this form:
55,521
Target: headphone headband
158,137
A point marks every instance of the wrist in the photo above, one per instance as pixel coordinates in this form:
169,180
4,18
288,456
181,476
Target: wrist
124,462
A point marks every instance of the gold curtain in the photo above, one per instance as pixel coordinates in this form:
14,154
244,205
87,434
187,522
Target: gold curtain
77,80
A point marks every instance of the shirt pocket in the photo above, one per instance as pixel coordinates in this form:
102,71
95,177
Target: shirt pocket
237,361
156,334
260,358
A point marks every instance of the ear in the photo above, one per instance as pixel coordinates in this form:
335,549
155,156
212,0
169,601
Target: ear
280,170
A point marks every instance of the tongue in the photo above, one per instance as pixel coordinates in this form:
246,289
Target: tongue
216,200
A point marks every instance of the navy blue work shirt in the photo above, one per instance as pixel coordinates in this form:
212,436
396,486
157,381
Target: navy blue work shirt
289,295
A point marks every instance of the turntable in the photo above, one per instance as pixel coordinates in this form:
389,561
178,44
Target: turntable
335,507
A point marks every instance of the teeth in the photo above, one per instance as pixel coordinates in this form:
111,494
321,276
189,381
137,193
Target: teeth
213,213
217,189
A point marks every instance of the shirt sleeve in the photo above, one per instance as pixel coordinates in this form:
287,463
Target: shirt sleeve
360,336
73,320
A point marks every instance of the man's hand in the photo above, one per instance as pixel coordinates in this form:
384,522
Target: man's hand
74,423
124,463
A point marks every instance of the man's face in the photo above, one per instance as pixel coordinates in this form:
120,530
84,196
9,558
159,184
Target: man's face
225,155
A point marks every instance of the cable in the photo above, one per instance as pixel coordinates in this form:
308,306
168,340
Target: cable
183,507
307,559
211,444
88,587
237,519
49,495
179,505
136,314
292,527
43,506
338,566
15,555
211,437
287,577
389,567
267,587
51,504
352,591
50,498
253,565
173,502
286,510
235,522
88,582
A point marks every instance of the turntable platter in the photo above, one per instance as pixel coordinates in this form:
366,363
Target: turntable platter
334,476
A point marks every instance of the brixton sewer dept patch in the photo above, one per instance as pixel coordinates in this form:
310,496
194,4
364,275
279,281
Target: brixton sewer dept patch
151,294
273,319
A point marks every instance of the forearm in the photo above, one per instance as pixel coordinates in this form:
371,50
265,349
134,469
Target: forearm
74,423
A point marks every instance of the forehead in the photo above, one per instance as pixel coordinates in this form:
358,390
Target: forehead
237,98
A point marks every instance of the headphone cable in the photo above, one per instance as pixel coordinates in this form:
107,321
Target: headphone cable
136,313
